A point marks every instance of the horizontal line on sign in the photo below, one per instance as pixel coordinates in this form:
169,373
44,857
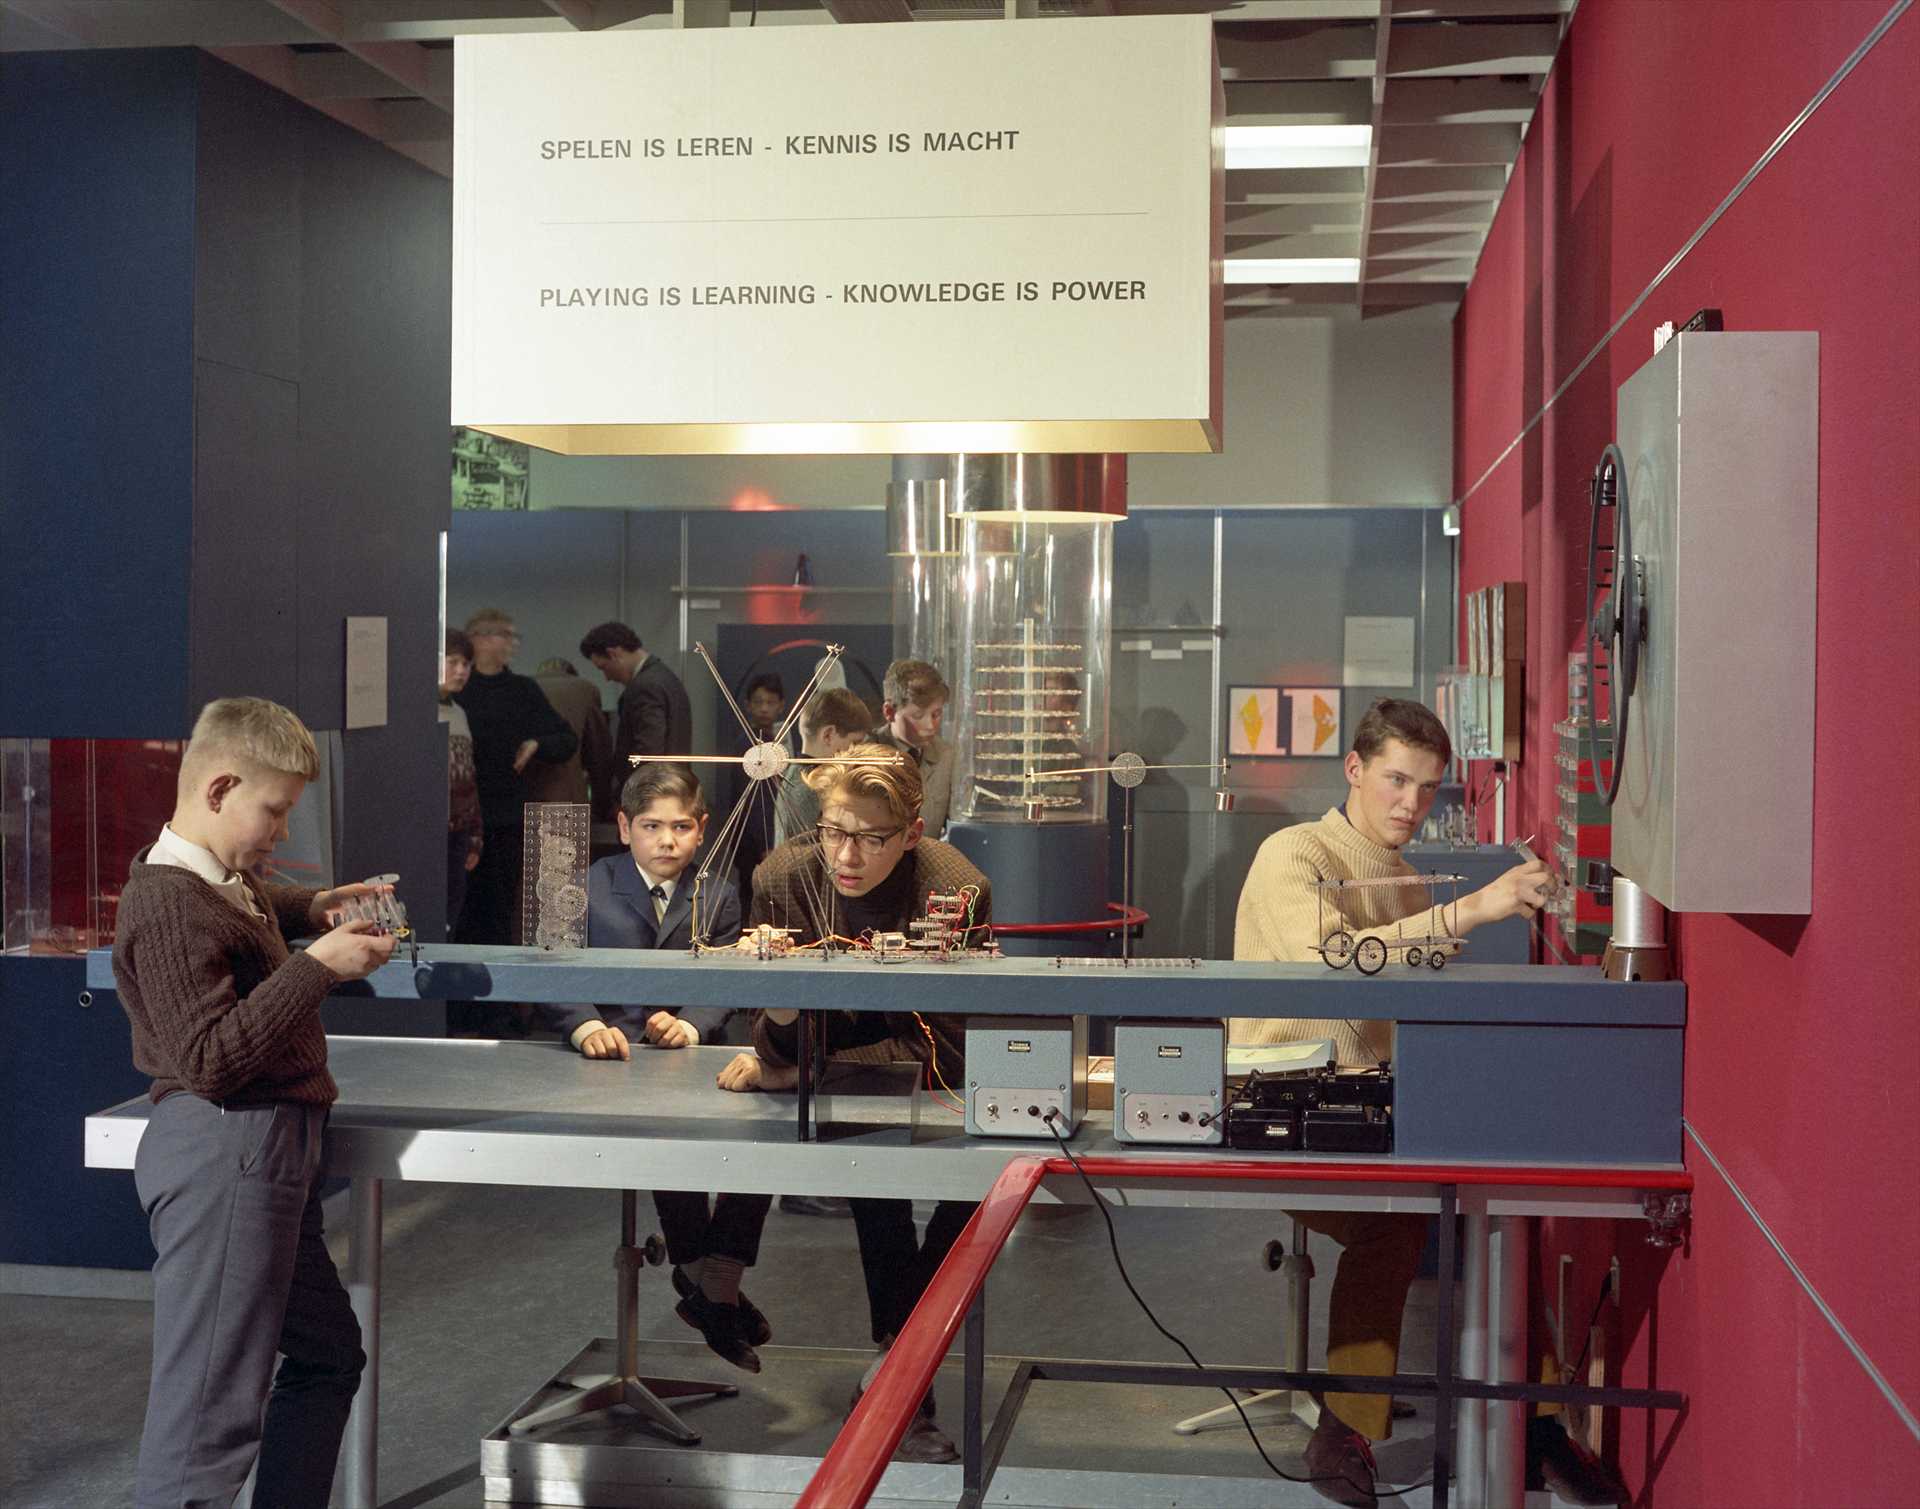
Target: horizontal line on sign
837,219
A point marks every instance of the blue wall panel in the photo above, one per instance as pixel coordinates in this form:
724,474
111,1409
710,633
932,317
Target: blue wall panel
96,392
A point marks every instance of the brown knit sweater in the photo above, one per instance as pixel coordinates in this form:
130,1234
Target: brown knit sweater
218,1006
790,885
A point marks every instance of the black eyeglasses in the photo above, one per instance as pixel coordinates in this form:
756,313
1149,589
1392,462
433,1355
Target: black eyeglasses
833,839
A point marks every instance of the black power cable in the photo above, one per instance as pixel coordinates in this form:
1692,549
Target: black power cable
1113,1241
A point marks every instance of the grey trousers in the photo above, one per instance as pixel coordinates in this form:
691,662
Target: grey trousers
233,1202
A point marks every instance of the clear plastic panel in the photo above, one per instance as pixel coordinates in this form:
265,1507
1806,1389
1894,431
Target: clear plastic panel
1031,696
557,836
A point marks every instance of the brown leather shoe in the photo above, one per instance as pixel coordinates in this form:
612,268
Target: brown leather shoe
1340,1463
1571,1472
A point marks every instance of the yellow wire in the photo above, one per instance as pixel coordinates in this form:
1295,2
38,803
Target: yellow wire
933,1062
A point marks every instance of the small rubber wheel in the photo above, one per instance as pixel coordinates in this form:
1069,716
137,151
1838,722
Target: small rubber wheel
1415,958
1338,949
1437,959
654,1250
1276,1254
1370,956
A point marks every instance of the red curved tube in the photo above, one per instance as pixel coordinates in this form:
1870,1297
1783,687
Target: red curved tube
853,1465
1129,916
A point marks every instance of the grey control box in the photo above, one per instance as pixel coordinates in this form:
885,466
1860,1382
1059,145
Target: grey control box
1021,1067
1169,1081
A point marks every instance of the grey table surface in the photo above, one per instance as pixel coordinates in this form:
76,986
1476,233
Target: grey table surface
540,1114
1551,994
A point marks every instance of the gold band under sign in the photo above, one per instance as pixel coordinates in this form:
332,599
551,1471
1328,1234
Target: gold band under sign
866,437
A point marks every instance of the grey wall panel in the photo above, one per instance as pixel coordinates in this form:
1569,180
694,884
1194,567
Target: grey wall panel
559,575
1538,1094
375,338
246,250
1163,567
246,581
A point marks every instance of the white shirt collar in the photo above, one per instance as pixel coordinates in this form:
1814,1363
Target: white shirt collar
171,849
650,881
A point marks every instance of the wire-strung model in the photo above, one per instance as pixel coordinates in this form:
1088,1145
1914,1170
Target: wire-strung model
947,932
1338,947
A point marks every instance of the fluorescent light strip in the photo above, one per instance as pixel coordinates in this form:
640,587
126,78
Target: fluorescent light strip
1291,270
1297,146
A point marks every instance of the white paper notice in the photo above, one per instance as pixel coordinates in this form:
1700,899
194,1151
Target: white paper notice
366,672
714,227
1379,652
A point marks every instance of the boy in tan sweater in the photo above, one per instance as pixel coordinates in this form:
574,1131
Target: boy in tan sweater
227,1023
1400,754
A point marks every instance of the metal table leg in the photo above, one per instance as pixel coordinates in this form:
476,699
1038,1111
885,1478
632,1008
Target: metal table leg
973,1402
360,1453
1443,1360
1507,1349
1473,1356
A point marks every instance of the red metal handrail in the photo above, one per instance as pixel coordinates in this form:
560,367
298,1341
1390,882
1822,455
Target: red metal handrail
859,1455
1129,916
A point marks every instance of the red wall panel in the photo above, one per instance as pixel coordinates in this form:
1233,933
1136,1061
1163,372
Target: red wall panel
1803,1040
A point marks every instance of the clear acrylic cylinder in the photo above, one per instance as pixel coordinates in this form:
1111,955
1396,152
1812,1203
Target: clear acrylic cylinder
923,546
1030,701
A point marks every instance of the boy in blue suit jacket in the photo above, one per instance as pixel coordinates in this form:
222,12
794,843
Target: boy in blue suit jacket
644,899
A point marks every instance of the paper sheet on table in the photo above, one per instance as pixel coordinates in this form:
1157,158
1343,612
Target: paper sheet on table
1310,1053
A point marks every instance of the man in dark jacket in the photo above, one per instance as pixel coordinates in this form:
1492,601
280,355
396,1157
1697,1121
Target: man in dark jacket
513,724
654,721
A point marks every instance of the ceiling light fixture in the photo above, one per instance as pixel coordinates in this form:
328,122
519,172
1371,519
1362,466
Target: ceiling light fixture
1291,270
1297,146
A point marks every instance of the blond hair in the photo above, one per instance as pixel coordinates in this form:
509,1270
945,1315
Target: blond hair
872,770
255,731
487,620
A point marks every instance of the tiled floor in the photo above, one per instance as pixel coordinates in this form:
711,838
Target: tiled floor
488,1291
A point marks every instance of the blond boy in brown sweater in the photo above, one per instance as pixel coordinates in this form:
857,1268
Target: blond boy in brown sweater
1400,754
227,1022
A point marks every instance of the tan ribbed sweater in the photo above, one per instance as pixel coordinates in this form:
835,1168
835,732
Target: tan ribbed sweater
1282,918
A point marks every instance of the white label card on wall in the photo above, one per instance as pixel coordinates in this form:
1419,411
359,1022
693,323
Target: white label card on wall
789,231
1379,652
366,672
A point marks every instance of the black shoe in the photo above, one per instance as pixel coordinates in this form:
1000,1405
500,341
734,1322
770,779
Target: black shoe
816,1205
1565,1467
924,1441
723,1326
1340,1463
759,1332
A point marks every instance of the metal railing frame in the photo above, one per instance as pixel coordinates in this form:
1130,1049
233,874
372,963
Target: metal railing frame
955,1299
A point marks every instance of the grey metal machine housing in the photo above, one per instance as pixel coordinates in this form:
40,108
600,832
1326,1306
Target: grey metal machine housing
1021,1068
1720,433
1169,1081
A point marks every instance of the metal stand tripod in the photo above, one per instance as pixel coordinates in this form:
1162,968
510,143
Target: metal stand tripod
641,1395
1270,1406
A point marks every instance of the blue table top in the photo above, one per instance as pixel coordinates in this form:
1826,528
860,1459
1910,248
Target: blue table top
1546,995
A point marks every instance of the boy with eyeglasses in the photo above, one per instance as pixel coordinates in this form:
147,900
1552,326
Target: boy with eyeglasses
869,868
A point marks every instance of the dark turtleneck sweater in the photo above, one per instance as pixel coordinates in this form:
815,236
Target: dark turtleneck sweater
219,1006
791,889
504,710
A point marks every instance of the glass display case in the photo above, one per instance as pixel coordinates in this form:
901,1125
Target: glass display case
923,546
1034,598
73,813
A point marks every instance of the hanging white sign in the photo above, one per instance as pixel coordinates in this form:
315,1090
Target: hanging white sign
991,236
